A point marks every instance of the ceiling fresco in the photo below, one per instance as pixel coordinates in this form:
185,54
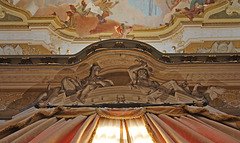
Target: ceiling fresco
171,26
119,17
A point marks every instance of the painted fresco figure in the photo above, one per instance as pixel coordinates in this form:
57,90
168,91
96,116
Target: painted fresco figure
95,10
70,20
196,3
105,7
123,30
189,8
196,7
175,5
81,8
101,19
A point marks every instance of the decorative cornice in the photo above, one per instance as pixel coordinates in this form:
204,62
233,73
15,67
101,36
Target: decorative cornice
115,46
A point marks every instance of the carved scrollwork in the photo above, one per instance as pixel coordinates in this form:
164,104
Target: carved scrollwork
26,61
2,13
94,48
233,7
165,59
48,60
119,45
72,60
189,59
219,47
5,60
144,48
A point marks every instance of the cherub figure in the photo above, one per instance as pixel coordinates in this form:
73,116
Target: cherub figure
70,20
105,6
123,30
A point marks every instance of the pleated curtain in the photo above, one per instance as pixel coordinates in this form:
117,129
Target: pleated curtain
124,125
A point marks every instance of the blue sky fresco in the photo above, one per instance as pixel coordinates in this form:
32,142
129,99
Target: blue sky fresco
148,7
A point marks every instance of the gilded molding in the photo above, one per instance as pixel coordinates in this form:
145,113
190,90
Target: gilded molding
12,7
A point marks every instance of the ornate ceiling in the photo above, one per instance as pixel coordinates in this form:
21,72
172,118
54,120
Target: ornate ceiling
66,27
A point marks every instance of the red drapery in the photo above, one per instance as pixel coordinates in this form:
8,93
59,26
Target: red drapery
150,124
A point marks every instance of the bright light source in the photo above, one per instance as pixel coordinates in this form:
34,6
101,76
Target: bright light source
109,130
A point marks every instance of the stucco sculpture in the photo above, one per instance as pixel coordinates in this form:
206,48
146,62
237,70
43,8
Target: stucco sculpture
75,90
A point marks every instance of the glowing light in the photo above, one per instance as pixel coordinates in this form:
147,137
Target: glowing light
137,131
109,131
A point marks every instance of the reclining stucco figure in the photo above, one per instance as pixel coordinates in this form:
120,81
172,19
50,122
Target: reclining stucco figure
82,87
76,88
140,78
